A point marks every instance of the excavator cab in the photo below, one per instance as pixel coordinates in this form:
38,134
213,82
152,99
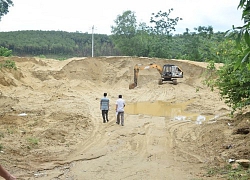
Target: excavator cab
170,73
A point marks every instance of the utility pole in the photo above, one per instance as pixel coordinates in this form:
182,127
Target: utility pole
93,41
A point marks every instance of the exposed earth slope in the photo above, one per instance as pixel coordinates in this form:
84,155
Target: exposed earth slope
51,125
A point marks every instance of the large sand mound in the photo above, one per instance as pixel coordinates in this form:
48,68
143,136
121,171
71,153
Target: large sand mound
51,125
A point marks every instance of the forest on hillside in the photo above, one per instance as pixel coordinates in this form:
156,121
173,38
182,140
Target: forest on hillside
197,45
56,43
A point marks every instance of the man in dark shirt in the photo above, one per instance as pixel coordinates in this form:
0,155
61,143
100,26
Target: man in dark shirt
104,106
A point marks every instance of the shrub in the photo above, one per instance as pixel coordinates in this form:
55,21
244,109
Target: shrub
5,52
8,64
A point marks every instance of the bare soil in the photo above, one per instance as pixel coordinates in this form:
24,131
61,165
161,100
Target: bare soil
51,125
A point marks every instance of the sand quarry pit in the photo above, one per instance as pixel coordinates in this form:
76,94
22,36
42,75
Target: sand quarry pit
51,125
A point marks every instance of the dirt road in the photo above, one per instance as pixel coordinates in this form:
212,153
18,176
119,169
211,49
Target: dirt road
51,125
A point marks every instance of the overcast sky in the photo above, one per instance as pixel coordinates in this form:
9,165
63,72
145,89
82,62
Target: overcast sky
80,15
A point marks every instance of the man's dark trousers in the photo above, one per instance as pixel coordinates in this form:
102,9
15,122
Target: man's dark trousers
105,115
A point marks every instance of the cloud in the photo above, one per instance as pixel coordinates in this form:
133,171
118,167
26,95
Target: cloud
78,15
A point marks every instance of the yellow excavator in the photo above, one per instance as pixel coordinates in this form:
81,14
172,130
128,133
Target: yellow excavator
168,72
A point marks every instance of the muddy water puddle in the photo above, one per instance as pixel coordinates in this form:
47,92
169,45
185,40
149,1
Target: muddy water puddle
174,111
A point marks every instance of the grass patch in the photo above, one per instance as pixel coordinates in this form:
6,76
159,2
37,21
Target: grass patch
33,141
10,131
9,64
230,173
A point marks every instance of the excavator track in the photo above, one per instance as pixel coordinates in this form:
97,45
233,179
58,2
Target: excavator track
174,81
160,82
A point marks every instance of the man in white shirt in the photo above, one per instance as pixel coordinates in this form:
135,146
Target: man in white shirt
120,104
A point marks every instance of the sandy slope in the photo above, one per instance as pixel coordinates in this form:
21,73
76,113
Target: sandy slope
62,135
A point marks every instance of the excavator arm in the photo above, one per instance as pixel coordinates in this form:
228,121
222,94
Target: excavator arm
139,67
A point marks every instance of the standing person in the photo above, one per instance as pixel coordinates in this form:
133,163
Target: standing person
5,174
120,104
104,106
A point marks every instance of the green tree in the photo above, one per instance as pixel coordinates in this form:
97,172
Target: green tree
4,7
238,72
160,32
234,77
143,40
197,45
124,32
243,39
5,52
224,51
234,86
191,43
163,24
